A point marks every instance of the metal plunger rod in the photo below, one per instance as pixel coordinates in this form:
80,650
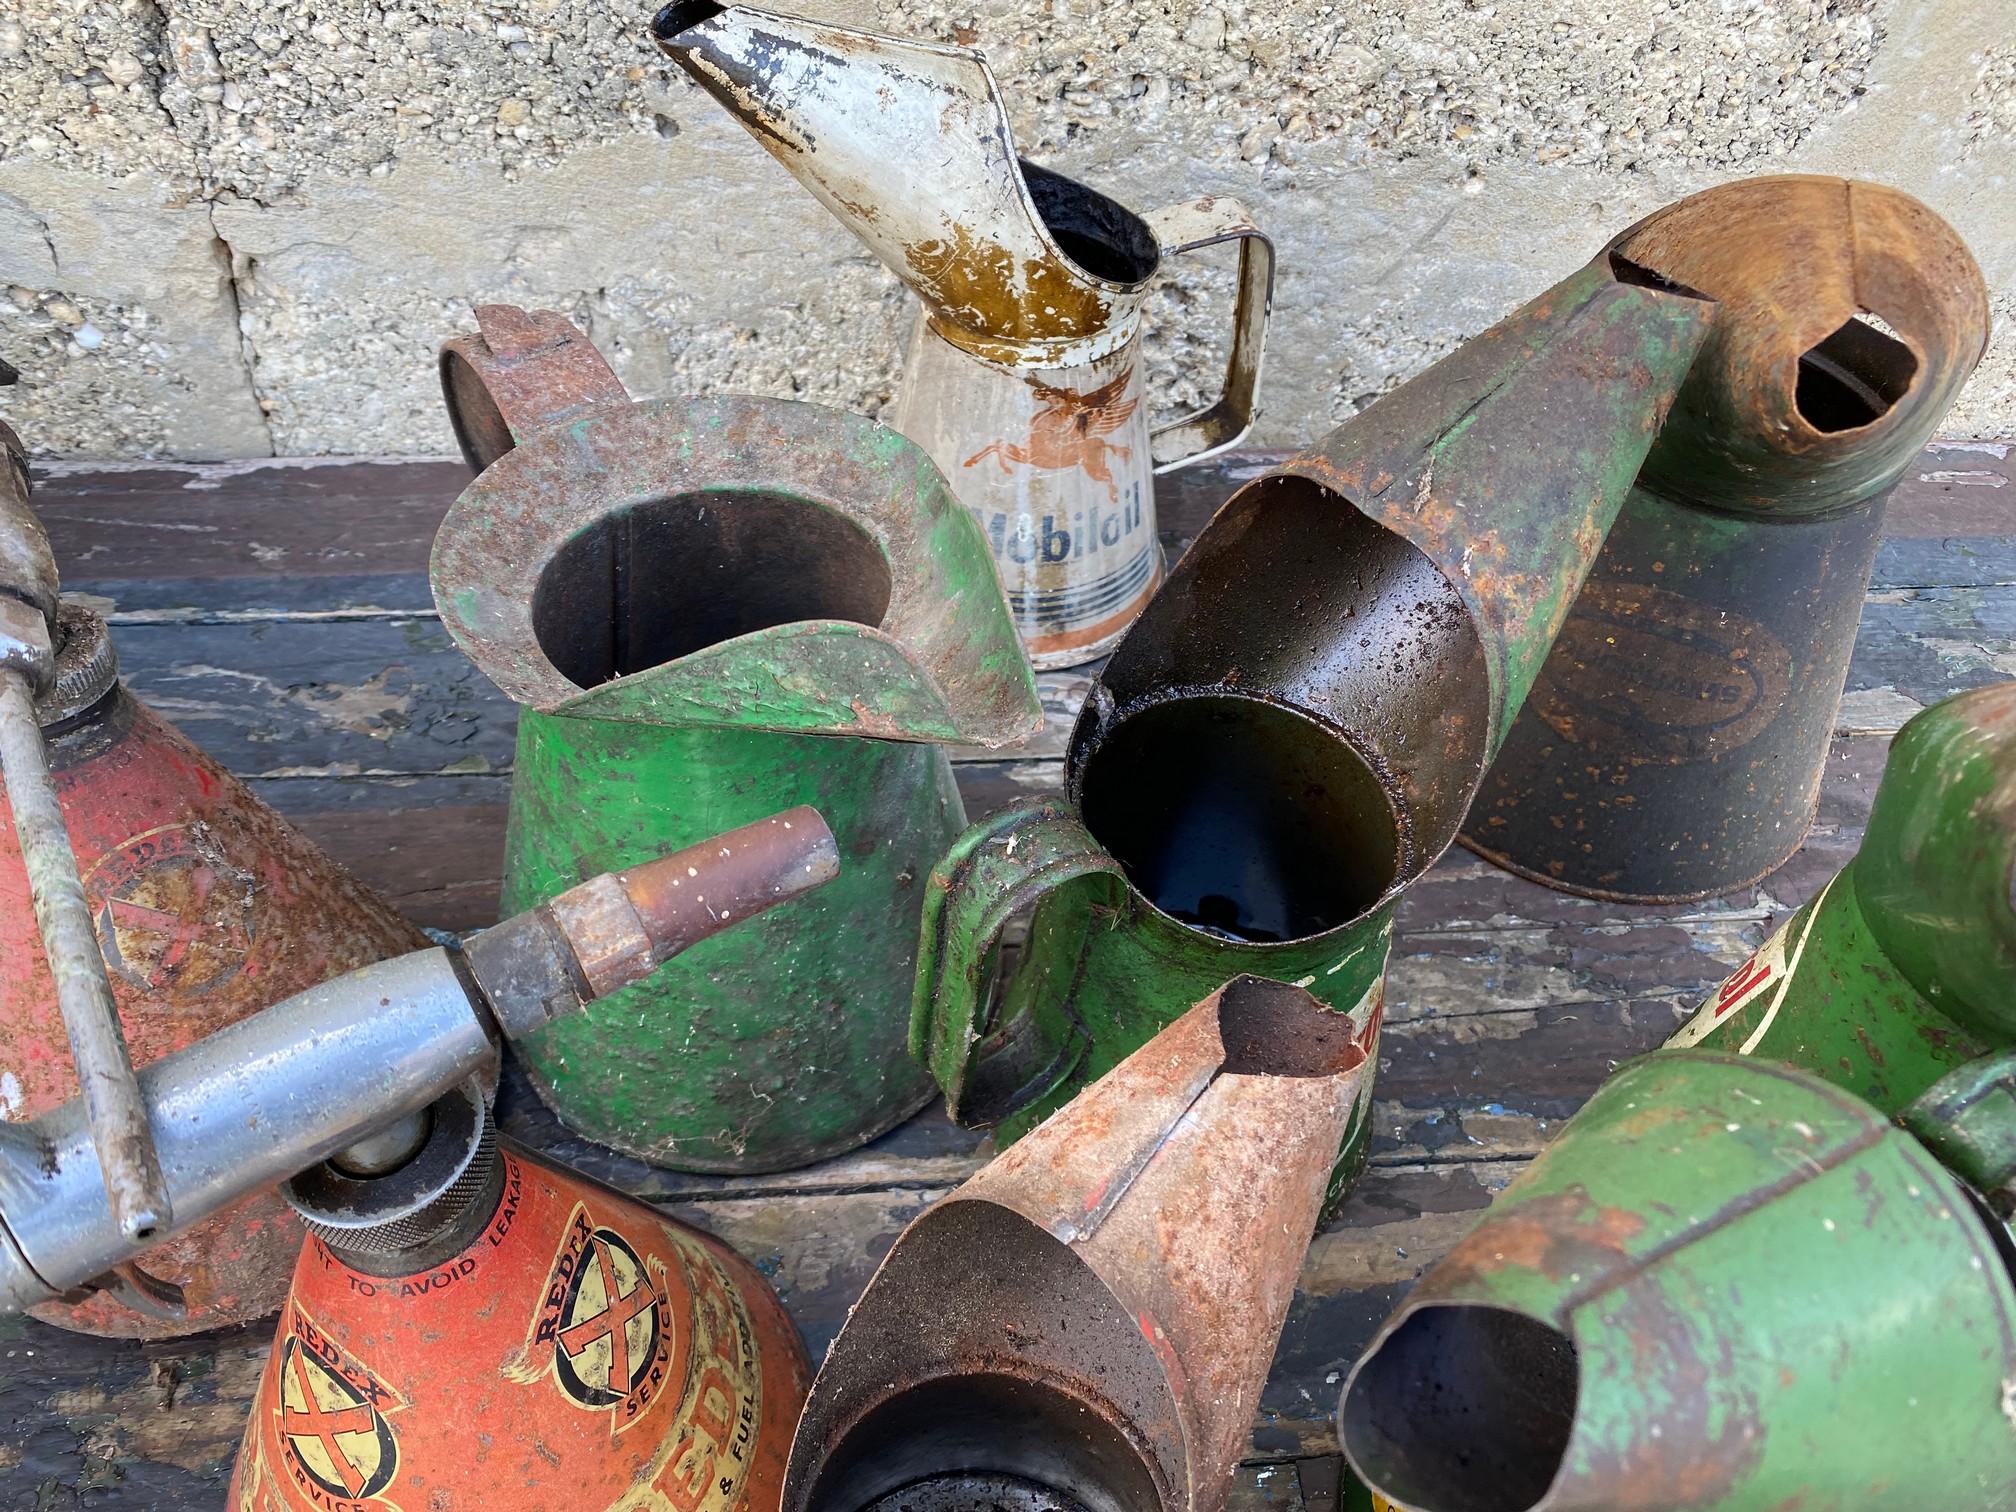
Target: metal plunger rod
309,1077
111,1092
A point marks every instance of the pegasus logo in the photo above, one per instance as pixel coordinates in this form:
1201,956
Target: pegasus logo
1069,429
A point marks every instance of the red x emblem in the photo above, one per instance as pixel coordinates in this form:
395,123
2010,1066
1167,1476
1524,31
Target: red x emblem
613,1321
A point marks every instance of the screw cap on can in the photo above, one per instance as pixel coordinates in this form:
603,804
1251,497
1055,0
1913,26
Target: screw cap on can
87,667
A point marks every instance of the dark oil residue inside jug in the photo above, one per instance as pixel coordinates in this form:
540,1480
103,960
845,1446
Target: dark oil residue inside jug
1240,818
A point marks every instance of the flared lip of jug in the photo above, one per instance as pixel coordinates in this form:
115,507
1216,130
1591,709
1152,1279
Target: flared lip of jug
945,651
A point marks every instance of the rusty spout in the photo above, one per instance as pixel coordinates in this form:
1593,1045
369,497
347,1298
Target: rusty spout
1673,745
1087,1323
624,925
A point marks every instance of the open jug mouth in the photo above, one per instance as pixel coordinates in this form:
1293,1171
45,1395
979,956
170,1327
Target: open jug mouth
1294,727
663,578
1100,236
1853,378
1463,1408
1242,819
984,1442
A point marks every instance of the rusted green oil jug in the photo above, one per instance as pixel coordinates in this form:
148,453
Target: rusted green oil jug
1898,980
1726,1287
709,611
1674,742
1293,729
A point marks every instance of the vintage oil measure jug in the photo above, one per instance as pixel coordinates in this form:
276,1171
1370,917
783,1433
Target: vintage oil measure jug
468,1324
1903,967
204,905
1051,1335
1023,376
1291,732
708,610
1674,742
1726,1285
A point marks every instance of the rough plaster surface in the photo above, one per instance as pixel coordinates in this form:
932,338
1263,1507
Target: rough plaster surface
232,227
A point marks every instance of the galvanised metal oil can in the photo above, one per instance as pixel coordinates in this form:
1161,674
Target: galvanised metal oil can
710,610
1023,379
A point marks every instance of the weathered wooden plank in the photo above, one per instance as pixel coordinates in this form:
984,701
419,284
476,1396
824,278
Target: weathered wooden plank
278,698
395,696
262,519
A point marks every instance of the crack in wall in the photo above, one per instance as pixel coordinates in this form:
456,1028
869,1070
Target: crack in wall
235,283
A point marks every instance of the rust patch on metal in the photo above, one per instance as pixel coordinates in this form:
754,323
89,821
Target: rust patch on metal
1137,1252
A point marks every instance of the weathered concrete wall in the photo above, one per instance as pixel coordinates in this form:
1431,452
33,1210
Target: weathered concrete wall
236,227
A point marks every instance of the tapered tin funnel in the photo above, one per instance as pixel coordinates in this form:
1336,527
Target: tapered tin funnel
1902,969
1725,1285
1353,632
1087,1323
1674,744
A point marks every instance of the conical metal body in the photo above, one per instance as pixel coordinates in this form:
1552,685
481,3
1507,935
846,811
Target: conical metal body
1087,1323
710,610
1291,732
1023,376
500,1332
208,907
1675,741
1725,1285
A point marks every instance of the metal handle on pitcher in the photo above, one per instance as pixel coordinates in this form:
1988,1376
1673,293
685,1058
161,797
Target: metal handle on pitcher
995,870
1222,424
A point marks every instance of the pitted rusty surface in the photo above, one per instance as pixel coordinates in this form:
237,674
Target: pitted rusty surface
525,370
1187,1182
1790,261
677,901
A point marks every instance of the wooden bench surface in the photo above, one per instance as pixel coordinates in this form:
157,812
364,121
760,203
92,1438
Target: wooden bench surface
279,613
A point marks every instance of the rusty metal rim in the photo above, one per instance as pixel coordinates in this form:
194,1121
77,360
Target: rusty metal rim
535,498
1014,1367
1408,864
1604,895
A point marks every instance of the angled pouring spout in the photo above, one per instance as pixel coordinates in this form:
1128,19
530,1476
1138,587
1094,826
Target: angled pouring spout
1085,1326
1023,376
1291,732
908,144
1674,743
